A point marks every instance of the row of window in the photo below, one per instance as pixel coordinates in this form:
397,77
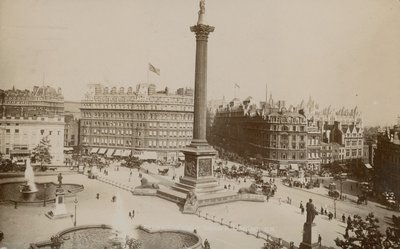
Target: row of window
286,156
354,142
16,131
139,133
132,125
150,143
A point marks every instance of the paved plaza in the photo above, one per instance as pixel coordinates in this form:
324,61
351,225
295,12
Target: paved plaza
275,217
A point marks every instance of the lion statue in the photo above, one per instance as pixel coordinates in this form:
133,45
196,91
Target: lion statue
146,184
191,198
250,190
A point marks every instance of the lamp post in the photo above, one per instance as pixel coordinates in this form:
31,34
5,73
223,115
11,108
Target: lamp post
334,206
76,203
44,199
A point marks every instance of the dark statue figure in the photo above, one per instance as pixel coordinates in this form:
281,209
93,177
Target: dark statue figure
311,212
60,180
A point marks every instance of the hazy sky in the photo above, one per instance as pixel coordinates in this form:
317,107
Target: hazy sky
341,52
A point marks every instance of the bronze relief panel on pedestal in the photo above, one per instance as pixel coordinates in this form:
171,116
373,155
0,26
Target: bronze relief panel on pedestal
190,168
205,167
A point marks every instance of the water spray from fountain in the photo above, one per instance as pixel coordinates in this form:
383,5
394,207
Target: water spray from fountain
30,176
120,223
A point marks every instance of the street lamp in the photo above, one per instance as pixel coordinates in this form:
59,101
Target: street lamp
44,199
334,206
76,203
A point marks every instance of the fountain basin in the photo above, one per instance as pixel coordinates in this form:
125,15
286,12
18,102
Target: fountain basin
98,236
11,192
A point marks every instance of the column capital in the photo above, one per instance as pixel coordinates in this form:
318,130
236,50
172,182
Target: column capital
202,31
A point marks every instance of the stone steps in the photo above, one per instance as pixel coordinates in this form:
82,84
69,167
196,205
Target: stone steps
172,195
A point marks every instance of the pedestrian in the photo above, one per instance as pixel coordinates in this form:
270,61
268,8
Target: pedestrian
326,212
322,210
133,213
343,218
319,239
97,196
130,215
206,244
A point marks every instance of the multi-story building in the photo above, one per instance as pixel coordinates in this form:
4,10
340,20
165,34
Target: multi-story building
117,122
314,147
71,131
43,101
28,116
341,130
387,161
276,133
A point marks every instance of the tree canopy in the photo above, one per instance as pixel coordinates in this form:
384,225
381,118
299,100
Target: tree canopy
41,153
365,234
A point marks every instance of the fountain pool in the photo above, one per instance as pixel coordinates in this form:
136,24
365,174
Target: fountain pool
92,237
11,192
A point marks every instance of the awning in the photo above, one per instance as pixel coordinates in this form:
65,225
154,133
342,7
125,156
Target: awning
20,152
94,150
283,166
294,166
368,166
101,151
118,152
110,152
126,153
148,155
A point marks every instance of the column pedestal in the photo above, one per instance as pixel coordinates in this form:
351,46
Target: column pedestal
59,211
310,237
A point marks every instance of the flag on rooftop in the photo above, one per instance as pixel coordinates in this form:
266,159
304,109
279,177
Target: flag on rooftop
154,69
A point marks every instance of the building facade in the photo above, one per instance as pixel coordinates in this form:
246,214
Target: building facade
120,122
387,161
276,133
28,116
71,131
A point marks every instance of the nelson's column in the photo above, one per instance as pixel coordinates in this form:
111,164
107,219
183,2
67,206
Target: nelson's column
198,187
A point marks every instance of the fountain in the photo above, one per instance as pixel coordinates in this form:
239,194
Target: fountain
29,186
121,236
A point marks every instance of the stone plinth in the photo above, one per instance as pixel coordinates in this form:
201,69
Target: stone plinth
59,211
310,236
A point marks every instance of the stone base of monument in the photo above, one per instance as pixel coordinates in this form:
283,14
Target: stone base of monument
310,236
59,211
200,182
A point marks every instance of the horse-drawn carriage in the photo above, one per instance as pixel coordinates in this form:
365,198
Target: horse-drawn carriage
163,171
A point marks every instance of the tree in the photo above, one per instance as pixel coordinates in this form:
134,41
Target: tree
365,234
41,153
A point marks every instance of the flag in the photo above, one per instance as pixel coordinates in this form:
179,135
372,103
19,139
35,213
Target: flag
237,86
154,69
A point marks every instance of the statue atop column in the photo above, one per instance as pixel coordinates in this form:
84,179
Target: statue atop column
311,212
60,180
202,12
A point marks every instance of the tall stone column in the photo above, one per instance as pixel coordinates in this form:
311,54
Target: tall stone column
199,155
200,100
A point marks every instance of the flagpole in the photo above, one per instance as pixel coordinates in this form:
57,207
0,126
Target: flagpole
148,74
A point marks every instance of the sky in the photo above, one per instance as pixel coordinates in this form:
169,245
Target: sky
340,52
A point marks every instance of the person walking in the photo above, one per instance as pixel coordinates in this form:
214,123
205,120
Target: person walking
319,240
343,218
133,213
